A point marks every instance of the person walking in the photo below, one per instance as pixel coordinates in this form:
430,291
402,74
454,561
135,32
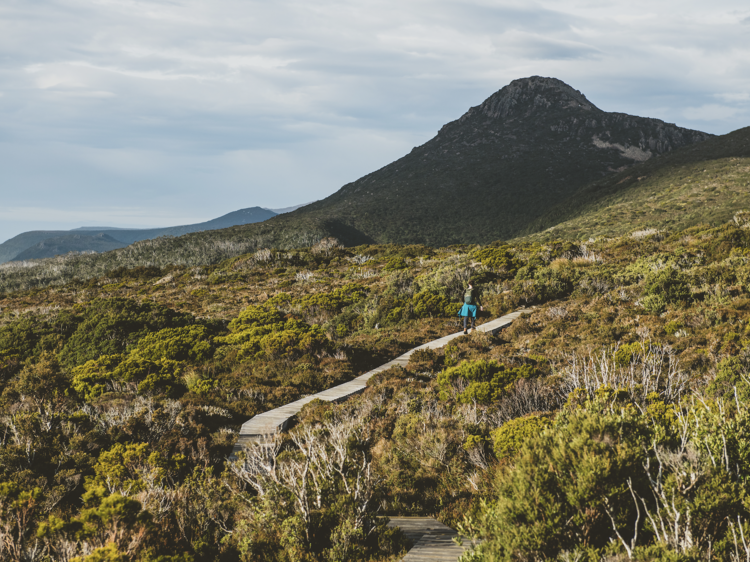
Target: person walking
469,309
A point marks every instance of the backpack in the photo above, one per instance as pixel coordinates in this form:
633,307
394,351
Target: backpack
468,296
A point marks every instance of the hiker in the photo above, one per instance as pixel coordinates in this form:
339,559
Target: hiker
469,309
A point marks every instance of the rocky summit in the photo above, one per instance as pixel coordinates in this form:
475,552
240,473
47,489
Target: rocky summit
489,174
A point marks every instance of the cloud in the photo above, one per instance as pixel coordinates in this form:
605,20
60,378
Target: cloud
711,112
738,97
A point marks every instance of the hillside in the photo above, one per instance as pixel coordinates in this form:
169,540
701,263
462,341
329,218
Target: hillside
701,183
40,244
499,167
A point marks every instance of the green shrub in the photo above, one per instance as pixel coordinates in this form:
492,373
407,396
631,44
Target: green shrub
112,326
486,381
395,264
654,304
332,302
499,259
191,343
275,338
670,284
427,304
551,499
511,436
672,327
90,379
423,360
256,316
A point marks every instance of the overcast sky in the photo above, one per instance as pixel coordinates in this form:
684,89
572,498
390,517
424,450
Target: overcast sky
155,113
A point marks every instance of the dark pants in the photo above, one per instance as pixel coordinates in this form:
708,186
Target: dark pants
473,322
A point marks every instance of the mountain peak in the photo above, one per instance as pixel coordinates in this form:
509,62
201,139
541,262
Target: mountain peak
526,96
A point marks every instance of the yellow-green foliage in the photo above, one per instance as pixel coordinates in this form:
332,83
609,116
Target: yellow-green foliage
123,467
629,352
499,259
333,301
259,331
255,316
486,381
510,437
90,379
427,304
191,343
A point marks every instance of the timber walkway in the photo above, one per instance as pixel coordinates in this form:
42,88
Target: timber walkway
433,541
277,420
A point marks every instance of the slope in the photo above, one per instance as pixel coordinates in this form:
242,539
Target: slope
702,183
502,165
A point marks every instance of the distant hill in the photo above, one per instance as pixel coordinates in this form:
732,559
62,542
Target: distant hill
70,243
702,183
48,243
498,168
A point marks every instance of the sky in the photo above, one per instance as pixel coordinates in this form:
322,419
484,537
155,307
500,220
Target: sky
140,114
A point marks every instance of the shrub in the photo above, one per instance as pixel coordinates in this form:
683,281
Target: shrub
90,379
654,304
551,499
179,344
395,264
511,436
670,284
111,326
424,360
484,381
499,259
427,304
277,337
256,316
672,327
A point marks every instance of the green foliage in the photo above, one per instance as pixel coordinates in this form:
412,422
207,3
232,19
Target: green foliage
112,326
189,343
261,332
510,437
672,327
96,377
90,379
332,302
423,360
395,264
732,374
669,284
654,304
552,498
629,352
253,316
427,304
486,381
500,259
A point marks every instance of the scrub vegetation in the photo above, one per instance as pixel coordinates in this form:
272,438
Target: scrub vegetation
608,422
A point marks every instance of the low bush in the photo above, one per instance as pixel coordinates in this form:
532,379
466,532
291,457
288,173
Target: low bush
481,381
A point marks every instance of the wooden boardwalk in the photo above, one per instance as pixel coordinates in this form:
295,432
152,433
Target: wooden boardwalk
433,541
277,420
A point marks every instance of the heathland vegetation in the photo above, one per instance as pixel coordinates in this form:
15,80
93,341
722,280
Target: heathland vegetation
609,422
